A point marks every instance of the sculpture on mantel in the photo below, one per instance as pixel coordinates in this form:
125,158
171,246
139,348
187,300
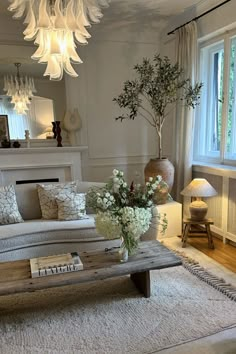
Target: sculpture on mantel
58,133
72,124
27,138
54,130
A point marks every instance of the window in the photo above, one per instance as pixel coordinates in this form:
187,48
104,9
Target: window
215,127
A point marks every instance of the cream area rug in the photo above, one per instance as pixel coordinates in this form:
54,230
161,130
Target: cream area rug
111,317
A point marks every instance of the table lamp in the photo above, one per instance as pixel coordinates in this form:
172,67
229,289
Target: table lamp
198,188
49,133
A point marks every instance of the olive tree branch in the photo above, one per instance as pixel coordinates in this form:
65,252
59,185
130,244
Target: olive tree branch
141,114
151,115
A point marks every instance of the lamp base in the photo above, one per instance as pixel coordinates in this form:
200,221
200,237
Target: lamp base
198,210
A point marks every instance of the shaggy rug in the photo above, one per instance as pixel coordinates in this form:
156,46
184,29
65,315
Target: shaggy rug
112,317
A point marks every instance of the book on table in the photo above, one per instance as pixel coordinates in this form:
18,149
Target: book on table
52,265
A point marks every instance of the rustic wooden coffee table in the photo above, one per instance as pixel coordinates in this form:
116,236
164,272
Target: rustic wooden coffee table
15,277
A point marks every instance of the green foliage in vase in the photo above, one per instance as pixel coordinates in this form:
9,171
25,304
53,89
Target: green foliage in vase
159,84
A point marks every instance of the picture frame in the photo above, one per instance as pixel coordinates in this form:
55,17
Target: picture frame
4,128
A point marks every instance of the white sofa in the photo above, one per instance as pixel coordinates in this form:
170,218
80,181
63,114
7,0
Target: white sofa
36,237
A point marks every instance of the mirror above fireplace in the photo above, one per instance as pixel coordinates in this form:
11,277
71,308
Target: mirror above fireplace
48,103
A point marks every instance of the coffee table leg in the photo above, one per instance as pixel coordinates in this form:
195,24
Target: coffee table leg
142,282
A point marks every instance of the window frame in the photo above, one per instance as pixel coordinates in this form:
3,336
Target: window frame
201,154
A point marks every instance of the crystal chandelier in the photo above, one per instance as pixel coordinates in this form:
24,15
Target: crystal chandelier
55,25
20,89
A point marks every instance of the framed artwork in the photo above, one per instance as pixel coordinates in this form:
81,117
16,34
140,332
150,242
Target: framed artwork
4,129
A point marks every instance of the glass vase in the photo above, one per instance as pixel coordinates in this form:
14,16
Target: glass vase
123,253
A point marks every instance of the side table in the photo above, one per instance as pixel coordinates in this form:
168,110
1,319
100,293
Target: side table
188,223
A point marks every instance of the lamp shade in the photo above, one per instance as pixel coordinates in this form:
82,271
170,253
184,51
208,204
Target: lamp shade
199,187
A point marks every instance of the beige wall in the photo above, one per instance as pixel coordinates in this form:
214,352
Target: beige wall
108,61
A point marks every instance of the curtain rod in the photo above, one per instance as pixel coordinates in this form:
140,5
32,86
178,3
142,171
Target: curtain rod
196,18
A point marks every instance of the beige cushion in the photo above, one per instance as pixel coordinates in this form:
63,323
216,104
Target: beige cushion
28,201
9,213
47,197
71,206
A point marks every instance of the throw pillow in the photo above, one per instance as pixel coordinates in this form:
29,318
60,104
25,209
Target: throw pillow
9,213
71,206
47,197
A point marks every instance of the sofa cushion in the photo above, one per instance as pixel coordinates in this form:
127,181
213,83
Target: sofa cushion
71,206
37,238
42,225
28,201
47,197
36,232
9,213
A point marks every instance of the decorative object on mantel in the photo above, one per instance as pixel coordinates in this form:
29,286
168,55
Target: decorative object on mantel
199,188
16,144
124,212
27,138
159,84
4,128
72,124
5,143
20,89
58,133
54,130
49,133
54,26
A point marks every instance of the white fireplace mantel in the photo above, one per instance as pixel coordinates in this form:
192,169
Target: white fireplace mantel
46,150
63,163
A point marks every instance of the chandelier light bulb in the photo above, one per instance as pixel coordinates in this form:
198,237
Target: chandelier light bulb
56,26
20,89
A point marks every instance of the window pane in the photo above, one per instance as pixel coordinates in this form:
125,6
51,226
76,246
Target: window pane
208,128
217,62
231,126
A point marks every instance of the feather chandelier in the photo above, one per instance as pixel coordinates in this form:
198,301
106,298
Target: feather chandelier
56,26
20,89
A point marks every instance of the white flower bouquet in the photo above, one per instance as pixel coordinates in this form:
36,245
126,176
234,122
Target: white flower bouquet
125,211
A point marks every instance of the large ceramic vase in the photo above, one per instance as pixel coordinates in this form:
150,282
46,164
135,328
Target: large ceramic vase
164,168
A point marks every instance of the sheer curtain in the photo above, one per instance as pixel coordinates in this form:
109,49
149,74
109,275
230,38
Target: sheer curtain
17,123
186,42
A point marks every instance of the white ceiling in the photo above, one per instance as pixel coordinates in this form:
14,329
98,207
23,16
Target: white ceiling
165,7
121,14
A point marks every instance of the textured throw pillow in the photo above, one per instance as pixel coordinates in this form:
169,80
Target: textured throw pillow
47,197
9,213
71,206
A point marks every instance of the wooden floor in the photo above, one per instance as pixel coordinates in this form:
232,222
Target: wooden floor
223,254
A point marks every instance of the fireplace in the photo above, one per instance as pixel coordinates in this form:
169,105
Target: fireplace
33,165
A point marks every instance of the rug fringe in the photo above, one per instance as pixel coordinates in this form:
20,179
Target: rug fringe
218,283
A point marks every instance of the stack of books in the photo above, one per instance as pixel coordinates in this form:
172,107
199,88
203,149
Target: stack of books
52,265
